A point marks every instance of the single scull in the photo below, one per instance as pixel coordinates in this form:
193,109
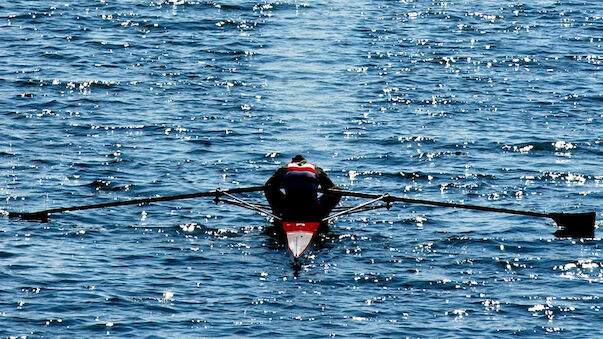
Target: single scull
299,234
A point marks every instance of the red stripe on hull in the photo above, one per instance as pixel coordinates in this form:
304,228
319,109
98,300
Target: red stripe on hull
309,227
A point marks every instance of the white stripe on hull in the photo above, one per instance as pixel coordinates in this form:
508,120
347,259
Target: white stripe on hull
298,242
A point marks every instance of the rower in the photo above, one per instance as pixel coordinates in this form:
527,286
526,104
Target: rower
300,202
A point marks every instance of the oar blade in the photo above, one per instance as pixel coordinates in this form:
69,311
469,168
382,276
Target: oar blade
35,216
575,225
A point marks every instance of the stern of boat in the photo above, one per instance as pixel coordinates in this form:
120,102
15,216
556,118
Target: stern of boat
299,235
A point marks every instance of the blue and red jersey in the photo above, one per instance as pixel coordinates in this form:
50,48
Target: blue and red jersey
300,177
296,176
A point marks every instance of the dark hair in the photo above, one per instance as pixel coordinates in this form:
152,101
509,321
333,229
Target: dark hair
297,158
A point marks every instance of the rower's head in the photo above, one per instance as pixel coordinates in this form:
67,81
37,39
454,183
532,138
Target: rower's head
298,158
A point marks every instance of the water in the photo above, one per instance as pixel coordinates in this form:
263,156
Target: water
493,103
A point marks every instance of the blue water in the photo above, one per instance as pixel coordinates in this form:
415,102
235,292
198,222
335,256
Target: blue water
494,103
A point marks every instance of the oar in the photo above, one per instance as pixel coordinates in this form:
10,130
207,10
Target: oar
580,225
43,215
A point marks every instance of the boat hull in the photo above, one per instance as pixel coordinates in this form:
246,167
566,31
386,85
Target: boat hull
299,236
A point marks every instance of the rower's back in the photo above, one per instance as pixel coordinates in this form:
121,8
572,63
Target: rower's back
301,191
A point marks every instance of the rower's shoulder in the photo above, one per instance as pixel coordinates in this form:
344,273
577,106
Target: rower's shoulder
319,169
281,171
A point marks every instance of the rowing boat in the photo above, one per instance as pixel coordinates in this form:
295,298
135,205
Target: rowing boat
300,234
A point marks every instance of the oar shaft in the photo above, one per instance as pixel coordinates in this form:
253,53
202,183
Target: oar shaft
348,211
391,198
250,206
138,201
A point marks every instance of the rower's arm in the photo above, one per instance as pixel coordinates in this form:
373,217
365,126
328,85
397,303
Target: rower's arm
272,190
276,180
323,179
